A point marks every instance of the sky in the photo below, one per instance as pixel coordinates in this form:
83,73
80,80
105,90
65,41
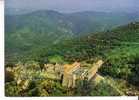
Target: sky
76,5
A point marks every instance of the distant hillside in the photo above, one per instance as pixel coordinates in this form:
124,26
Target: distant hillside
17,11
77,23
44,29
126,33
101,44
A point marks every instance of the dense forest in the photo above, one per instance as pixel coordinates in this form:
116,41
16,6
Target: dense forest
49,37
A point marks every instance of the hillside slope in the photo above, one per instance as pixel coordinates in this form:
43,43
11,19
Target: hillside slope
119,49
30,32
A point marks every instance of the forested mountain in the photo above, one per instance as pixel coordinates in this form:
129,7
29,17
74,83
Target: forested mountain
77,23
36,39
119,49
44,29
103,43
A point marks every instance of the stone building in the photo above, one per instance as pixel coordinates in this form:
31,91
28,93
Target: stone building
70,73
68,76
75,72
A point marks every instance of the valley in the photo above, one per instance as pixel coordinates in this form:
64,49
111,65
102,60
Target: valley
36,43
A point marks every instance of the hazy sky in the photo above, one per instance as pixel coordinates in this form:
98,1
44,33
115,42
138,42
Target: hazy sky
76,5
